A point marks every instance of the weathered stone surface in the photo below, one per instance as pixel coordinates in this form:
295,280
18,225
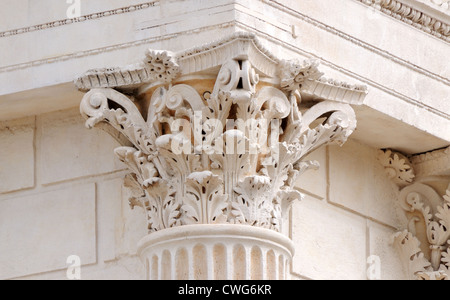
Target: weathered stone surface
109,217
380,245
39,232
16,154
132,226
330,243
406,110
358,182
315,181
123,268
67,150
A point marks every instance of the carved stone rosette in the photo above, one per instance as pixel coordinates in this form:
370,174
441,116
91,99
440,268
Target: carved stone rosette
423,245
215,135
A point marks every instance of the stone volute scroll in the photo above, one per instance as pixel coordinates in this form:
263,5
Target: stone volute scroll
214,138
424,211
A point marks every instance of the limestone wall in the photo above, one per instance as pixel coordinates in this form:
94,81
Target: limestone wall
61,190
61,194
347,217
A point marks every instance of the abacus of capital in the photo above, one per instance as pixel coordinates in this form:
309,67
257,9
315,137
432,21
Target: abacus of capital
215,138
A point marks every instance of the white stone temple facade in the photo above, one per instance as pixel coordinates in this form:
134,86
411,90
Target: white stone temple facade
225,139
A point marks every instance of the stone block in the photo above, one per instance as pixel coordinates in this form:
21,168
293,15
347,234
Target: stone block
125,268
109,207
69,150
39,232
330,243
380,241
133,226
16,154
358,182
315,181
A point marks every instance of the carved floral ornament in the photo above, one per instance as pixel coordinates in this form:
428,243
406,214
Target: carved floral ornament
424,243
397,167
424,246
229,155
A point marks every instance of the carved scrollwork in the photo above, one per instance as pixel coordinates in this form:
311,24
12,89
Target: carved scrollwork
231,158
428,221
413,259
397,166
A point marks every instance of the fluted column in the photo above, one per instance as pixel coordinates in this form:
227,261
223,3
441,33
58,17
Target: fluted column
215,138
216,252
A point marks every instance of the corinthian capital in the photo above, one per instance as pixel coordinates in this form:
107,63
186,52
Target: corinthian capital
424,205
217,135
223,152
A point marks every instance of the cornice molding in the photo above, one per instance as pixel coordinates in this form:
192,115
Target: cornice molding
413,16
358,77
435,163
98,51
93,16
393,8
351,39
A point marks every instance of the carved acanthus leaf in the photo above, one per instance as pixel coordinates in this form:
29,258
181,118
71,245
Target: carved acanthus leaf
412,257
233,156
436,275
254,203
440,231
137,197
295,73
446,258
428,216
161,65
205,202
397,167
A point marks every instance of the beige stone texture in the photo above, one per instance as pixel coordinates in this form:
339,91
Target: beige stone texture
17,155
315,181
358,182
68,150
61,185
109,206
330,243
39,232
380,245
